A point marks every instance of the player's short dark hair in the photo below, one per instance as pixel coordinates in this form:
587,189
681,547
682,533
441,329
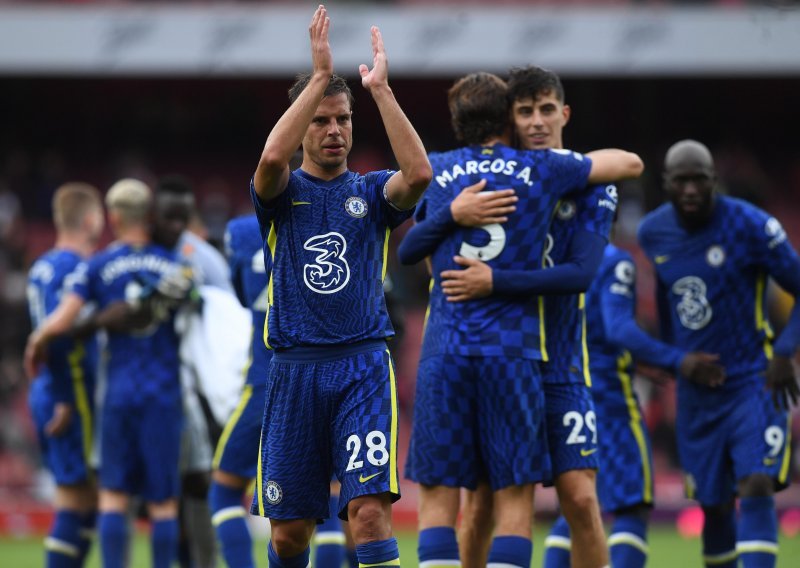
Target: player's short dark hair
71,202
478,107
174,184
335,86
533,82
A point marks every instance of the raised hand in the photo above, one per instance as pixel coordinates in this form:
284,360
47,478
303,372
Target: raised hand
474,208
321,57
378,76
474,281
781,380
703,369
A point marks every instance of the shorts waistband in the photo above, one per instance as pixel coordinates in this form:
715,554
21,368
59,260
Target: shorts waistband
321,353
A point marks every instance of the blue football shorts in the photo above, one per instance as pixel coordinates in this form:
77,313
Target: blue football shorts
328,410
140,450
478,419
727,435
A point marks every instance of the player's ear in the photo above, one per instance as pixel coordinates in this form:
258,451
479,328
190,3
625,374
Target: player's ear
567,112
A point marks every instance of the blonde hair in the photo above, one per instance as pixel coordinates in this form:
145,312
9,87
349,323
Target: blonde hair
71,202
131,198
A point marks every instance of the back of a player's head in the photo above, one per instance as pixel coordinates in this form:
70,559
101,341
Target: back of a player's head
533,82
174,184
336,85
131,199
478,107
71,202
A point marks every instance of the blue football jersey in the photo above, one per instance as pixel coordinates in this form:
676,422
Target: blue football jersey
70,368
328,241
711,283
593,211
142,366
249,273
496,326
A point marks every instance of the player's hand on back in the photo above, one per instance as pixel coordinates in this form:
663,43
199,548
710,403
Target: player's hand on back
782,381
474,208
378,76
321,57
62,416
703,369
471,283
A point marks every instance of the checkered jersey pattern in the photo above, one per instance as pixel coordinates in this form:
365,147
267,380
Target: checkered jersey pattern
328,242
478,419
712,282
143,365
495,326
250,268
590,210
48,277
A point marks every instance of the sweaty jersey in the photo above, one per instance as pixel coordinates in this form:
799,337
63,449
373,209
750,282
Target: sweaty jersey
593,211
70,369
328,241
496,326
243,246
712,283
142,365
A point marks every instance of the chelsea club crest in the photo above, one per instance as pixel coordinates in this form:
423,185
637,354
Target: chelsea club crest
566,210
355,207
715,256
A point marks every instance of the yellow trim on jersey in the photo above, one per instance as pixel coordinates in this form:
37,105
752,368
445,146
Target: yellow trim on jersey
385,253
587,376
542,335
260,478
633,410
272,241
247,393
784,473
428,309
76,358
394,486
762,324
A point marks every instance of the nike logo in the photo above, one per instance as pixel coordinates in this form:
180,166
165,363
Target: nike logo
661,258
585,453
770,461
363,479
295,203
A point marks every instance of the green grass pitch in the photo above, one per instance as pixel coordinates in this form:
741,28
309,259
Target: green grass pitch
667,550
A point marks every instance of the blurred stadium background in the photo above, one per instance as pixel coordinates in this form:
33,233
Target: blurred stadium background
98,90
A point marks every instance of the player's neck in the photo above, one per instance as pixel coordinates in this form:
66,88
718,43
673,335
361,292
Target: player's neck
134,235
75,242
504,139
322,173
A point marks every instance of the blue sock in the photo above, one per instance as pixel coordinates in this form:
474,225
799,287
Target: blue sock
164,541
229,519
757,537
437,543
63,544
113,530
627,545
329,539
719,540
299,561
88,524
378,553
557,545
510,551
352,558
